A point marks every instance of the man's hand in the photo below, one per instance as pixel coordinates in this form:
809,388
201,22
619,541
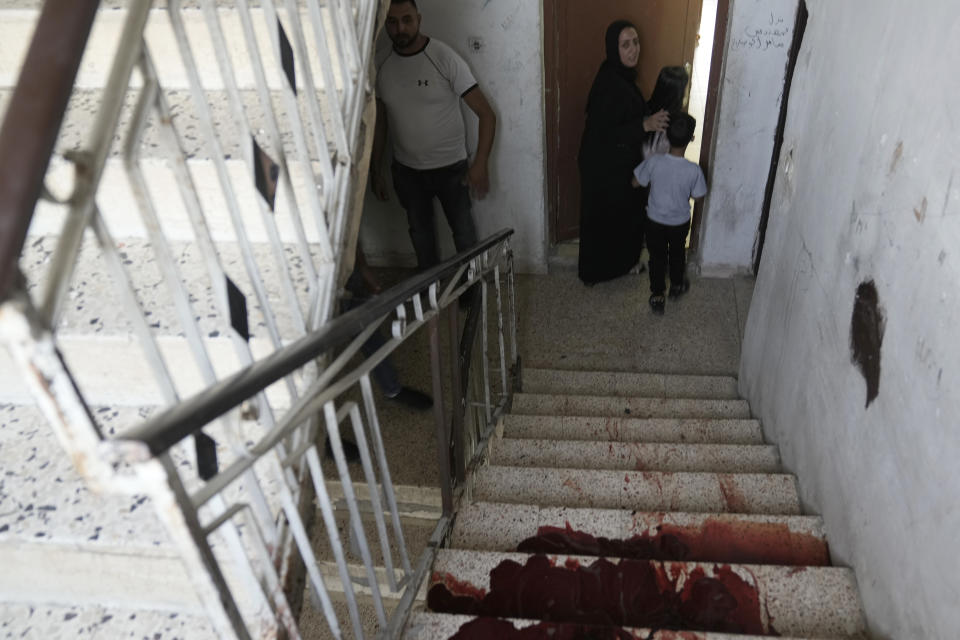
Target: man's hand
478,179
478,176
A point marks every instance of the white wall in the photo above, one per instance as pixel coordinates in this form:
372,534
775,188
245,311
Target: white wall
509,68
869,188
758,41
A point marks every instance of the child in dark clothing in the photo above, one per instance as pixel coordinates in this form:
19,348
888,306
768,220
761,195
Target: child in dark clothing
673,180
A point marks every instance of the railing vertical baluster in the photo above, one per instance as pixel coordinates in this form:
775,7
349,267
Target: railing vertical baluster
319,591
172,506
356,524
375,503
91,168
512,289
443,432
333,534
503,352
488,411
386,481
334,111
458,404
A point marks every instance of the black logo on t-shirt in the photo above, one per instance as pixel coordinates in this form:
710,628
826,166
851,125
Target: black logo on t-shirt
423,83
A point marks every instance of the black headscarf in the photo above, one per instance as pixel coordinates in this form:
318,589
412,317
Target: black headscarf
612,65
612,40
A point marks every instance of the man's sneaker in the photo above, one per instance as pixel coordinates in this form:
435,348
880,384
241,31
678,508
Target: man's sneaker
413,399
350,450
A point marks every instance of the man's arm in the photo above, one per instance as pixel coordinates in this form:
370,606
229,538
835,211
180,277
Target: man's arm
478,177
377,180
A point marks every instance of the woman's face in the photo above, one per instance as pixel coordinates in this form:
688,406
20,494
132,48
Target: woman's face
629,47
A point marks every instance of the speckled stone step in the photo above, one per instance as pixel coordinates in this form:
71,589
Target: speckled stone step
639,490
97,340
43,499
635,456
19,18
94,305
425,625
619,429
99,622
719,537
609,383
758,599
61,543
573,405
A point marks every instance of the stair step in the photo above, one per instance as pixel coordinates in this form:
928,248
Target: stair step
635,456
19,23
95,621
425,625
44,500
611,383
121,211
701,537
639,490
635,407
757,599
94,308
620,429
128,577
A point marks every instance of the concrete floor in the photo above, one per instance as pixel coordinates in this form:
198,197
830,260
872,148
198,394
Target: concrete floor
566,325
609,326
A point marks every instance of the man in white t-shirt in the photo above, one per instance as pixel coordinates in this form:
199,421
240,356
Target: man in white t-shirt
420,84
673,180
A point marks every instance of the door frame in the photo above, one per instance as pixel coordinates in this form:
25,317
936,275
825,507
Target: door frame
551,93
551,56
710,118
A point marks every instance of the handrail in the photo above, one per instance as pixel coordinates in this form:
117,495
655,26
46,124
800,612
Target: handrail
32,123
165,430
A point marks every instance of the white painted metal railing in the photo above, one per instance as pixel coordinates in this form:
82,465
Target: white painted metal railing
233,500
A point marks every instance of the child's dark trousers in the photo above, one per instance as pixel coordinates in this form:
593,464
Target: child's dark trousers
667,246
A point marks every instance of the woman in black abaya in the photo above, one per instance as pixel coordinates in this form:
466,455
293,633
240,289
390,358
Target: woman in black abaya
611,211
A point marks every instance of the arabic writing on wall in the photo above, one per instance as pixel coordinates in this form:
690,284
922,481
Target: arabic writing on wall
774,33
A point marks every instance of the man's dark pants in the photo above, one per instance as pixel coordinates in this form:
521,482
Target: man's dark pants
416,189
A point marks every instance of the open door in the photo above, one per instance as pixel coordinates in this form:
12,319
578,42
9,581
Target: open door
573,45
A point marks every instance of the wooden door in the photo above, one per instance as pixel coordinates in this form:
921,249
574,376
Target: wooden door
574,48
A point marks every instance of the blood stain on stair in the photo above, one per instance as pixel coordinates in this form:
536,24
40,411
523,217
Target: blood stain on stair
713,540
627,593
457,588
612,427
484,628
732,496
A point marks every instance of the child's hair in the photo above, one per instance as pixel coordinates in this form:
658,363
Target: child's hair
680,131
670,90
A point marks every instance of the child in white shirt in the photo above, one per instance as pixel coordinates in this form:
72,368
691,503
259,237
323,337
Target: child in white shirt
673,180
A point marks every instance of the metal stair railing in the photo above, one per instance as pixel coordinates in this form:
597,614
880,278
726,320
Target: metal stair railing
233,469
197,504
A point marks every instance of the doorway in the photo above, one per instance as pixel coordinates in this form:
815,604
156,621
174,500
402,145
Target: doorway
670,34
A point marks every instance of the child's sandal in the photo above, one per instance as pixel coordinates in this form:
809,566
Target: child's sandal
657,303
678,290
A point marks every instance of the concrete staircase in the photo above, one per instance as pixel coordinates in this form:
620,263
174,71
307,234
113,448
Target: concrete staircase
619,505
